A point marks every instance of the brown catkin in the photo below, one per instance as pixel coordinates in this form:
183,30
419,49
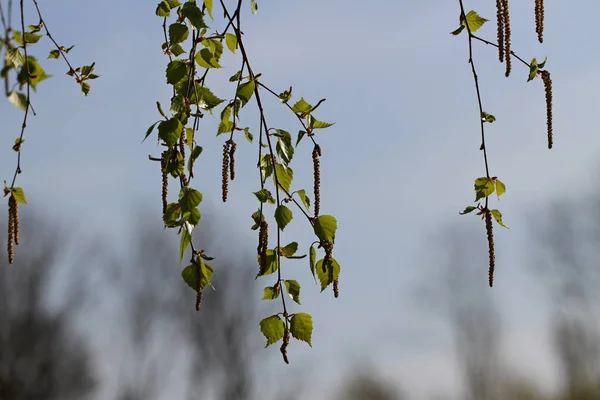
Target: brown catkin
490,238
507,36
317,178
16,225
165,180
286,341
232,160
12,222
328,247
336,287
225,181
539,19
263,243
182,177
548,88
198,287
500,23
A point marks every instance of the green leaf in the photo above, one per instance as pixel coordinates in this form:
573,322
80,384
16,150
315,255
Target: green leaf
270,293
36,73
543,64
498,217
293,289
85,88
163,9
15,57
206,59
290,249
483,187
189,198
231,41
207,98
468,210
332,271
486,117
176,71
245,92
19,195
178,33
300,136
312,260
29,37
54,54
254,6
209,7
325,227
160,110
186,238
285,96
313,123
266,166
458,31
284,176
169,131
301,327
193,156
475,21
249,136
18,100
18,143
87,69
225,127
272,264
283,216
191,11
273,328
533,69
149,131
176,49
301,106
189,274
500,188
284,147
304,198
265,196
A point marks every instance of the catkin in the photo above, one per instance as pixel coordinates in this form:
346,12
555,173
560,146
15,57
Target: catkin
165,180
500,23
539,19
232,160
182,177
548,88
328,247
507,35
286,341
490,238
12,223
225,174
263,243
336,287
317,178
198,288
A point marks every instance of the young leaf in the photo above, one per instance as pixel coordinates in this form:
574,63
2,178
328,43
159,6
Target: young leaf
283,216
176,71
301,106
475,21
289,250
332,271
189,198
468,210
313,259
245,92
533,69
284,176
273,328
191,11
314,123
249,136
254,6
85,88
19,195
293,289
272,264
500,188
483,187
284,147
264,196
186,238
169,131
18,100
209,6
304,198
178,33
270,293
231,42
498,217
15,57
325,227
487,117
301,327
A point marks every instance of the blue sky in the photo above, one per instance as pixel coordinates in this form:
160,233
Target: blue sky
397,166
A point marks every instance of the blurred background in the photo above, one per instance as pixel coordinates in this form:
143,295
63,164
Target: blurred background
94,306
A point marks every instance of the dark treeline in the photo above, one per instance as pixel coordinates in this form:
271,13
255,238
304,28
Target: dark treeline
152,336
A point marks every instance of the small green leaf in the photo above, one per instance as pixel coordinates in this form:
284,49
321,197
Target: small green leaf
191,11
486,117
17,145
178,33
304,198
209,7
543,64
325,227
458,31
189,198
207,99
249,136
475,21
176,71
498,217
176,49
231,41
18,100
285,96
284,147
189,274
270,293
245,91
19,195
313,259
500,188
29,37
289,250
301,106
36,73
193,156
15,57
313,123
468,210
533,69
254,6
206,59
87,69
293,289
483,187
284,176
300,136
85,88
301,327
332,271
149,131
265,196
272,264
169,131
163,9
273,328
186,238
160,110
54,54
283,216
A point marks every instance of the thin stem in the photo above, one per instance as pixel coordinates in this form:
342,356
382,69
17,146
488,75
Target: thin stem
495,45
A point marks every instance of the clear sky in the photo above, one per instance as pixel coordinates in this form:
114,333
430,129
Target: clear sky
397,167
